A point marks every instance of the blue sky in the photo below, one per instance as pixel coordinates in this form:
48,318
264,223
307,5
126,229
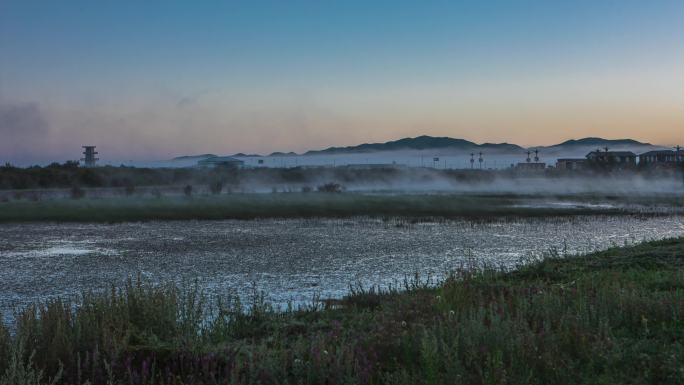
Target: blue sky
151,79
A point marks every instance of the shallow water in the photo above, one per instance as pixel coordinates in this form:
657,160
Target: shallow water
292,259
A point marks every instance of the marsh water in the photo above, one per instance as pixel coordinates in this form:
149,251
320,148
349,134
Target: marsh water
290,260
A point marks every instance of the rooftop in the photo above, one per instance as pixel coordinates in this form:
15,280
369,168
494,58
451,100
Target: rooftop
614,153
662,152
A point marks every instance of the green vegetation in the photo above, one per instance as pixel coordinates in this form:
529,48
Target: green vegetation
613,317
69,174
285,205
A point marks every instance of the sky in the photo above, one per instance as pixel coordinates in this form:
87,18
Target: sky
154,79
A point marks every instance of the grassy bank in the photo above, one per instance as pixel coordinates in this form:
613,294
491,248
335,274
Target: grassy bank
284,205
613,317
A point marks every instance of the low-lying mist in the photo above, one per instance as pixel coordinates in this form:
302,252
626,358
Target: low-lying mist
65,180
422,180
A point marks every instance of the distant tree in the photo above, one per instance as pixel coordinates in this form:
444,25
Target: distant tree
307,189
187,190
70,164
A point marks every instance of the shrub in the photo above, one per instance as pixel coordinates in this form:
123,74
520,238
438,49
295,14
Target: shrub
331,188
187,190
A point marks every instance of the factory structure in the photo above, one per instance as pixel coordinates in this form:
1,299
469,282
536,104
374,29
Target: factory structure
606,159
89,159
662,157
624,159
571,164
529,165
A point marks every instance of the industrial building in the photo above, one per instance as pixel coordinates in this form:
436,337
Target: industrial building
599,158
626,158
662,157
571,164
529,165
89,156
623,159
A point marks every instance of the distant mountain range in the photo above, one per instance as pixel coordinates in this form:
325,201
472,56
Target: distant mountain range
599,142
437,143
194,157
419,143
445,143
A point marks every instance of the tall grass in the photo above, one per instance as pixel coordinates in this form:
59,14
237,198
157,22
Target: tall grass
607,318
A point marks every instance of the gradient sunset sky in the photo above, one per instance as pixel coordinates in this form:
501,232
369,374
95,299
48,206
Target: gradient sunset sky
155,79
